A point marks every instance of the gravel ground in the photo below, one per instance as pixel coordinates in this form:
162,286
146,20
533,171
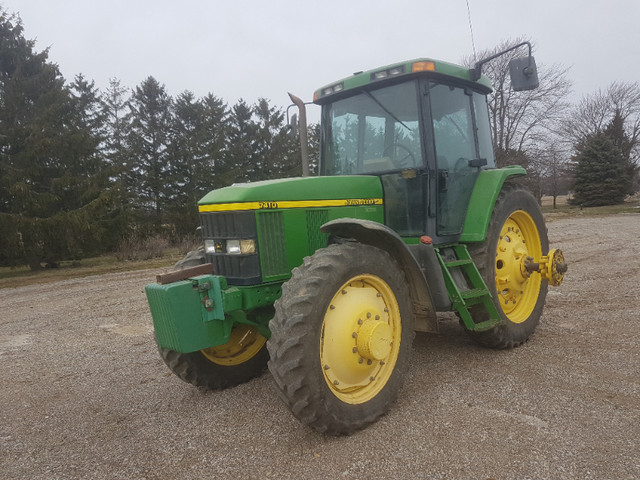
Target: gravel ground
84,393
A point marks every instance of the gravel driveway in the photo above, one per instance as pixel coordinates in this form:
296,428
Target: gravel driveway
84,393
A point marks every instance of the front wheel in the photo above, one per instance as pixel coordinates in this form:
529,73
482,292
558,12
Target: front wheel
341,337
239,360
516,231
242,358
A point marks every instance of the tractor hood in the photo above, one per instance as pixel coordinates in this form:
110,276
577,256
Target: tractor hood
295,192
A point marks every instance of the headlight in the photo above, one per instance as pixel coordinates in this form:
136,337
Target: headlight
210,246
233,247
241,247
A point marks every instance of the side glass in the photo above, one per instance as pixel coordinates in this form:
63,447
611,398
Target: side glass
455,144
485,144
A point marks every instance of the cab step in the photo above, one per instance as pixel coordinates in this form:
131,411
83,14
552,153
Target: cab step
466,287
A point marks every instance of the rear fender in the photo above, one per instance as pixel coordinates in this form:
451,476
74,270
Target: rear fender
382,237
483,199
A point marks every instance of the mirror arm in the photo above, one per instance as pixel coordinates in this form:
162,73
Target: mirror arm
476,71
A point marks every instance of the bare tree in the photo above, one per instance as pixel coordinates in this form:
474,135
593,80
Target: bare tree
595,113
523,124
519,120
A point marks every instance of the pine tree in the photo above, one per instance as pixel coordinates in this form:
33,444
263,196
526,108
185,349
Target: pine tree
184,159
148,140
53,197
618,135
241,158
600,175
213,144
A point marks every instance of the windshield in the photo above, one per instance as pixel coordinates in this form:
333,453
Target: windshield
371,132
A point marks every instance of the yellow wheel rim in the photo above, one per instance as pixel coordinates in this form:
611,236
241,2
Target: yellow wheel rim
244,343
517,290
360,339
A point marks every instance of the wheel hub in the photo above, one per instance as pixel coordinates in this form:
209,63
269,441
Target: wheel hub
516,287
374,340
357,350
511,275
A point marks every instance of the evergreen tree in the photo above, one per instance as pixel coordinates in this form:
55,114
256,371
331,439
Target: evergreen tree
148,140
240,161
277,152
52,195
617,133
115,111
184,161
213,144
600,174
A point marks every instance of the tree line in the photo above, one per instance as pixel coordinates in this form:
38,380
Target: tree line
83,169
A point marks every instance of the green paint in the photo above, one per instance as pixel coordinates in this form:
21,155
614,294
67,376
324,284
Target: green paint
198,313
365,78
483,199
295,189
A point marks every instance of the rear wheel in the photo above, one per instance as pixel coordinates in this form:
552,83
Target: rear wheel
516,231
341,337
242,358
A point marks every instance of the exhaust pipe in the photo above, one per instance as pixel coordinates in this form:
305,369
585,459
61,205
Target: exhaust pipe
302,128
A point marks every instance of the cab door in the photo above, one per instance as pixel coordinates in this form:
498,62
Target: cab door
457,155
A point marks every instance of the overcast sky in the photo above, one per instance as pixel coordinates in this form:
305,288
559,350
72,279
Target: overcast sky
249,49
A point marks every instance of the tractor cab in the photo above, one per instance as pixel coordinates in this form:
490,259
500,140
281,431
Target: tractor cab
427,138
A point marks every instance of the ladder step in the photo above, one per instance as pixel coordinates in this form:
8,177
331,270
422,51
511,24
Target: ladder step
458,263
474,293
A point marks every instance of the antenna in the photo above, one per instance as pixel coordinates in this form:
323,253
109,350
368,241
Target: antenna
473,43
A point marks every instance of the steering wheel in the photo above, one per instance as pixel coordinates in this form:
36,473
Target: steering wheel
402,162
460,164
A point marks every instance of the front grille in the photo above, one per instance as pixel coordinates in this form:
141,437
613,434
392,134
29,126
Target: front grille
272,241
315,238
223,226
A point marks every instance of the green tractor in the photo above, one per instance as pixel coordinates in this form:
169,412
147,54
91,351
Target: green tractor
325,279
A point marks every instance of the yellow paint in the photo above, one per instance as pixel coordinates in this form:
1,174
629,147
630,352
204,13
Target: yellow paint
244,342
348,202
517,290
360,339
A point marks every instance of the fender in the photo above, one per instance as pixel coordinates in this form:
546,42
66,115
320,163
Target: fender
483,199
378,235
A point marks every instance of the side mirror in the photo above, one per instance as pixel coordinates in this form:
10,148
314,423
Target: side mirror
524,74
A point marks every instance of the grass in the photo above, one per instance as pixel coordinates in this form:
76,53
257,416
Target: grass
22,276
632,205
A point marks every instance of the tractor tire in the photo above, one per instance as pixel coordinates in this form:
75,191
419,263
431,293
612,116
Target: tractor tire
242,358
192,259
341,337
516,229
